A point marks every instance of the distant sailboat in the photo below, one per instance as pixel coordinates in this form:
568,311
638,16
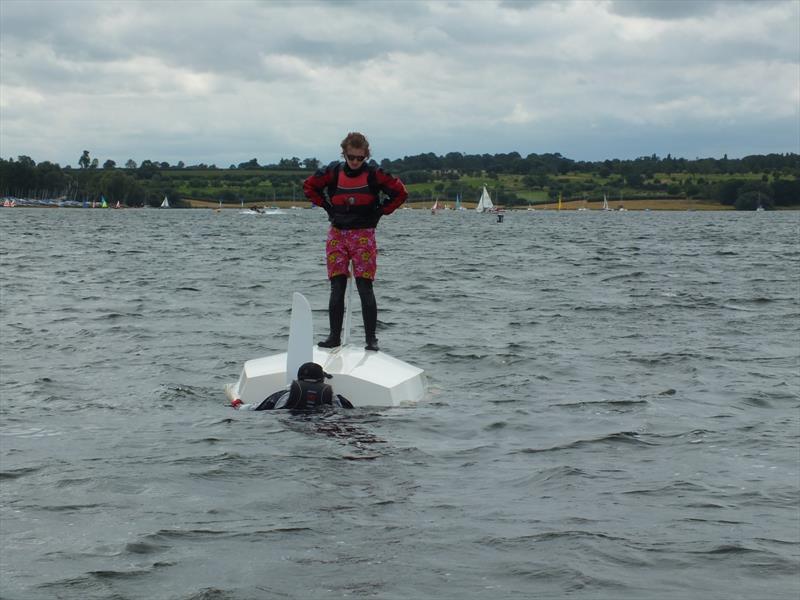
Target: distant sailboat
458,202
118,205
485,202
559,200
605,203
435,208
103,203
165,203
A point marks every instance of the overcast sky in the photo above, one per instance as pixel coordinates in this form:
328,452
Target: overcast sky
223,82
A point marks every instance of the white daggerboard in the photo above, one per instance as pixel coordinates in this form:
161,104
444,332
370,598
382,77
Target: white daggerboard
301,336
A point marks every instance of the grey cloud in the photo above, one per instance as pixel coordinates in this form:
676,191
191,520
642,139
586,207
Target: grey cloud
524,4
663,9
679,9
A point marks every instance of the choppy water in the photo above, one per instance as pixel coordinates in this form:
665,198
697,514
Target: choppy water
613,410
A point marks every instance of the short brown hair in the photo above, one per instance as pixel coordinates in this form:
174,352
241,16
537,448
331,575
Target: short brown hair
356,140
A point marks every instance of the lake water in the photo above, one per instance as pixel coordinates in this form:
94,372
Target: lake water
613,412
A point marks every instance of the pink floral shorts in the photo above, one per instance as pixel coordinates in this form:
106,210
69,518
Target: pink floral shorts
357,245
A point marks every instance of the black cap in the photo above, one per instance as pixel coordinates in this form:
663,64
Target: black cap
311,372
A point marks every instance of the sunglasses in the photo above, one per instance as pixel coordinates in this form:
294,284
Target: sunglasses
354,157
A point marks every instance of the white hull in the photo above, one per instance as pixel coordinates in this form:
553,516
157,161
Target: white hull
363,377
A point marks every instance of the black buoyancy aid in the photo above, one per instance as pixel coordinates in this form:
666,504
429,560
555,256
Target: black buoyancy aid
281,399
354,198
308,395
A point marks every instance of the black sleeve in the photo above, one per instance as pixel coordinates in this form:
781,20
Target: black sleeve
268,403
343,402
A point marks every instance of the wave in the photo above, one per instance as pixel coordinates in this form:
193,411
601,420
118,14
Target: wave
617,405
19,472
668,489
624,438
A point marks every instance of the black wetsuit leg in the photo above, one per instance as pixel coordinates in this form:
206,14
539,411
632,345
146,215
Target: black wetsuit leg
369,310
336,311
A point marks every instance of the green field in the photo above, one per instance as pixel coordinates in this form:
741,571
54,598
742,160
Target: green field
513,181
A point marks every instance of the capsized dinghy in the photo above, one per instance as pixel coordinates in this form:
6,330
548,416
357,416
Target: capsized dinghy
364,377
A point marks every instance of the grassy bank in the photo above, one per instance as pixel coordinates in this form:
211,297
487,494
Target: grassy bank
643,204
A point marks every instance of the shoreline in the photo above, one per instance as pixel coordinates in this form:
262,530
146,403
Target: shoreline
628,205
632,205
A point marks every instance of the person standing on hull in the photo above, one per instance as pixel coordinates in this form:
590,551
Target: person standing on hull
350,192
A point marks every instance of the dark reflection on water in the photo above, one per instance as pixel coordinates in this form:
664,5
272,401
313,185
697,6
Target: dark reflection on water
612,413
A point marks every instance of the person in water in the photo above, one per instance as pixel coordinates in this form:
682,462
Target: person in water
306,393
350,192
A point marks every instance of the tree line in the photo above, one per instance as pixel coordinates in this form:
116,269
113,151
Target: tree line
769,180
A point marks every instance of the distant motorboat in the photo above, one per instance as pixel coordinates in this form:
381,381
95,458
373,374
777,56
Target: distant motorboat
251,211
255,210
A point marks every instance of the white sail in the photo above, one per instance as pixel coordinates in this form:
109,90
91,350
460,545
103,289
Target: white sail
165,203
485,203
605,203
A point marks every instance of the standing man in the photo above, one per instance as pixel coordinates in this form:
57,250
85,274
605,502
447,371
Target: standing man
350,194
